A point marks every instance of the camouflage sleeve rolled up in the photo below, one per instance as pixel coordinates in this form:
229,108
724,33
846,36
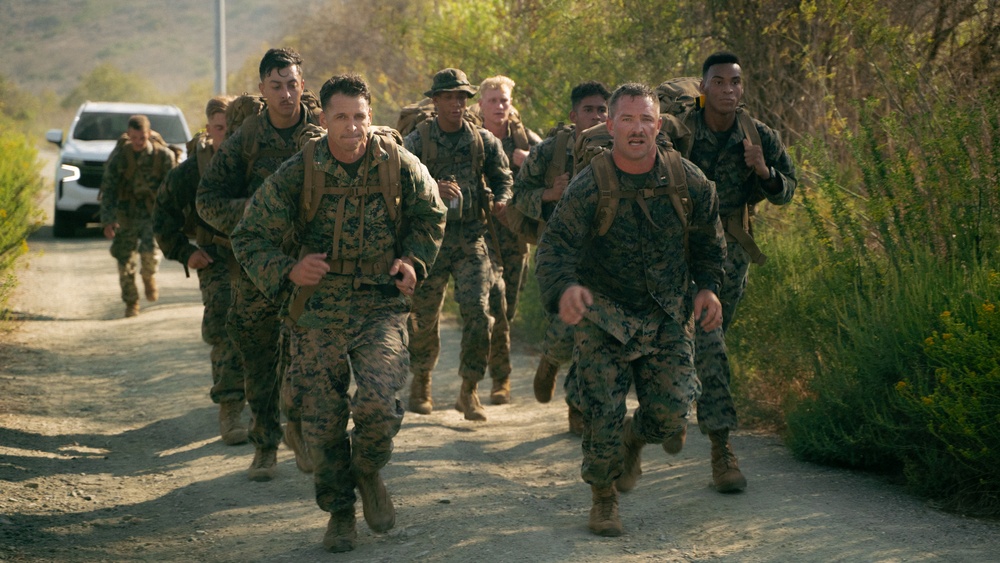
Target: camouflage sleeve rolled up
529,184
110,180
496,168
222,192
424,213
173,199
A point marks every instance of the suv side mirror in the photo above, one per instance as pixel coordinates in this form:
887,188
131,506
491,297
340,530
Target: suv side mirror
54,136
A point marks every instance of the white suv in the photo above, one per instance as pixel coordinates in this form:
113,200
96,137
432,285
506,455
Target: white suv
92,137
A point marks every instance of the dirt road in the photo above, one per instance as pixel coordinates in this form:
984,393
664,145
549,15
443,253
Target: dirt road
109,452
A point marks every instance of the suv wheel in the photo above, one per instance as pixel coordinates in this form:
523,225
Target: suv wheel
65,224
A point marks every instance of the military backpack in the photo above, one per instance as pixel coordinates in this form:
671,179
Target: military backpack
423,111
528,228
246,113
159,166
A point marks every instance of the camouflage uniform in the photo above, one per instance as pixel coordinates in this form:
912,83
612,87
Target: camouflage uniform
253,320
639,329
351,323
720,157
129,202
529,184
464,255
514,259
175,202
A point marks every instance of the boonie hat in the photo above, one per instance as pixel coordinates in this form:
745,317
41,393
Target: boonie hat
451,80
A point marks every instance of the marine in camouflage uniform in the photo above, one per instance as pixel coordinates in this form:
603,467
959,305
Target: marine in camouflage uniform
134,171
211,256
629,293
348,314
723,157
464,255
537,188
499,118
225,187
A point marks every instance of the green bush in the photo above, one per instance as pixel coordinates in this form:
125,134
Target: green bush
19,184
952,448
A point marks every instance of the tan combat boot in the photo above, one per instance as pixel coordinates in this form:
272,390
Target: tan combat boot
131,310
379,512
264,465
500,393
604,519
420,394
149,284
231,428
726,475
675,443
341,531
632,470
575,421
468,402
545,380
295,442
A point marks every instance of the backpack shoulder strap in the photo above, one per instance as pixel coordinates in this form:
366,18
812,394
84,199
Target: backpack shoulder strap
478,151
313,183
428,150
608,191
520,135
557,165
747,127
388,173
250,130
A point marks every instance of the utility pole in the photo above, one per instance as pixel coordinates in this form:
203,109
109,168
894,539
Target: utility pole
220,47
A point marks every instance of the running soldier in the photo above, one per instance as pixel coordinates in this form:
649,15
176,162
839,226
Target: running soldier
499,118
473,178
211,256
134,171
618,260
745,173
243,162
537,189
369,224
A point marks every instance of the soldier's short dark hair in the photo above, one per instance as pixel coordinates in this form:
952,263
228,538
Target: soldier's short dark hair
632,90
587,89
719,58
139,123
277,59
347,84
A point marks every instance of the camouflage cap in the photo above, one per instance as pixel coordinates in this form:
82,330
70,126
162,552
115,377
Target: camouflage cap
451,80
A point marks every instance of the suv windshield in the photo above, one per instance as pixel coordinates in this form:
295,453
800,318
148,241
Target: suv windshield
110,126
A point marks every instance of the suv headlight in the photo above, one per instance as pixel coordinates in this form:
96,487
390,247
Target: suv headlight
70,170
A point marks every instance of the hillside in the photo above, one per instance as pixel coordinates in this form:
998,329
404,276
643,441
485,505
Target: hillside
50,45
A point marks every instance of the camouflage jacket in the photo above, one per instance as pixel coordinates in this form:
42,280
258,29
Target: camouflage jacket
226,185
123,197
455,159
530,181
509,144
276,208
175,205
636,267
724,164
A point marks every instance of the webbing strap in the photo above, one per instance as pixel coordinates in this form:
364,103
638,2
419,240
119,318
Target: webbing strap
516,130
340,267
557,166
737,227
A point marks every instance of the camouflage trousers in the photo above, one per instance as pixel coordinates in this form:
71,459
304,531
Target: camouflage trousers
716,409
504,294
134,248
371,346
659,361
557,344
215,281
468,262
252,324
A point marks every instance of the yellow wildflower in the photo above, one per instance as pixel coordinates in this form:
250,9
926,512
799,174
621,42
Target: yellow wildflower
946,336
946,315
927,401
989,307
